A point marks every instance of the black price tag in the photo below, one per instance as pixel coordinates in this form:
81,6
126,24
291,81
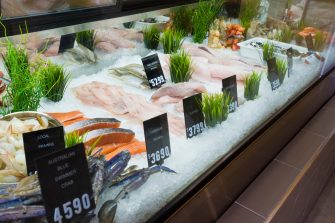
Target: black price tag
310,43
154,71
65,184
273,74
157,139
289,61
230,85
194,118
66,42
41,143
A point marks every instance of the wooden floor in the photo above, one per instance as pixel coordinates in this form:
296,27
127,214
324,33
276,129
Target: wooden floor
324,210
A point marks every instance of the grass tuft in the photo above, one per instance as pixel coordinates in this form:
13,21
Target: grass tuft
87,39
54,81
182,19
286,35
180,67
24,92
320,41
171,41
282,69
151,37
203,16
73,138
249,11
251,86
215,107
268,51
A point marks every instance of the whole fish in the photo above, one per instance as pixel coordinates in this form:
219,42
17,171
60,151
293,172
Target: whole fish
98,180
11,214
122,180
114,169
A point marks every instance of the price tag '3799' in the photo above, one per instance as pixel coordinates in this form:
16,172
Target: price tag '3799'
194,118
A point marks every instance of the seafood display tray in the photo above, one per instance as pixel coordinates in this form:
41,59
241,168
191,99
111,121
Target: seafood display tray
251,52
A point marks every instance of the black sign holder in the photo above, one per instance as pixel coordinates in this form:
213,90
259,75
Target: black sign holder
154,71
273,74
157,139
65,184
40,143
67,42
194,118
230,85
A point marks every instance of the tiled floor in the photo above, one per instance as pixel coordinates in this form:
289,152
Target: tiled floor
323,212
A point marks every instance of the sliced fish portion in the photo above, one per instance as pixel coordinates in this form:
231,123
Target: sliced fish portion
85,126
102,137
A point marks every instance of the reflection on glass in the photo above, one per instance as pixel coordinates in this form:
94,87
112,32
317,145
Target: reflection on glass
13,8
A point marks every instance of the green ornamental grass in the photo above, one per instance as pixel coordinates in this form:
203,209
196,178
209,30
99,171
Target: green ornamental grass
73,138
248,11
268,51
54,81
215,108
320,41
151,37
282,69
171,41
251,86
203,16
182,19
180,67
286,35
24,92
86,38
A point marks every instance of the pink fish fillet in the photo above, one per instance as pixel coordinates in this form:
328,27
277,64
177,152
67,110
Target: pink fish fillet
223,71
123,104
179,90
105,46
115,39
193,50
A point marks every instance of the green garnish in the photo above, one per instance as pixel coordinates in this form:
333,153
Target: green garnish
282,69
249,10
251,86
171,41
151,37
87,39
286,35
180,67
203,16
215,108
182,19
268,51
54,81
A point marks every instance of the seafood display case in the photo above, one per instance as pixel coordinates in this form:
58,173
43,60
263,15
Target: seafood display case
155,95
